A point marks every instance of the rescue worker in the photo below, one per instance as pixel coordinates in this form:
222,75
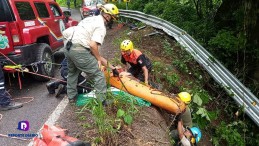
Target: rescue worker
140,65
186,115
82,42
5,99
188,136
84,84
68,4
96,12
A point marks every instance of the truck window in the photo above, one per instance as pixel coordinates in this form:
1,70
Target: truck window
42,10
2,16
6,13
55,10
25,10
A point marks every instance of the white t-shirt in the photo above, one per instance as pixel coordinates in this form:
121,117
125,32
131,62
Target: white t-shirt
90,28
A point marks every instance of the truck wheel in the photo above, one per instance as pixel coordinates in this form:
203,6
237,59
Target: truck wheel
44,60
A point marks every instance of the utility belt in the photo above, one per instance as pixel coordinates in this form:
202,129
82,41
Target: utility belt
79,47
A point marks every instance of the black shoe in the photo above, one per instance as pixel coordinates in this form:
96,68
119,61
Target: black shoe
51,86
12,105
61,90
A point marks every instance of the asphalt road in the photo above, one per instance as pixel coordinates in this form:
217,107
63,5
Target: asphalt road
35,112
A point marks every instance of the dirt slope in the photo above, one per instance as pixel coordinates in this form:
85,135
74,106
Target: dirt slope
148,129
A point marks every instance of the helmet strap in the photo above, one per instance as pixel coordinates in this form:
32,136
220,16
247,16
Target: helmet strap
107,21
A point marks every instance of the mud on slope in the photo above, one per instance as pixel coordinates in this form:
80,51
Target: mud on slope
150,126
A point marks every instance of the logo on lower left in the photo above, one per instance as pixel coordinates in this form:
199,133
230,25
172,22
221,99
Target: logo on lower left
23,125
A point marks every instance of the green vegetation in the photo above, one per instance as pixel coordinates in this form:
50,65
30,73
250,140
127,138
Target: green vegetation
226,28
110,119
230,133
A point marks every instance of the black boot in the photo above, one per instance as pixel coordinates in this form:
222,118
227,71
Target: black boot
62,90
51,86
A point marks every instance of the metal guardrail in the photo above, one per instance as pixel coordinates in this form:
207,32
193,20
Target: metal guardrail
221,75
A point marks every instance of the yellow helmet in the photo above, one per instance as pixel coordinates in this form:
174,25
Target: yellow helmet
127,45
110,9
185,97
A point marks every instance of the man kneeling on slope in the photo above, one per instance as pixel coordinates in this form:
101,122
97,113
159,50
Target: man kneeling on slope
140,65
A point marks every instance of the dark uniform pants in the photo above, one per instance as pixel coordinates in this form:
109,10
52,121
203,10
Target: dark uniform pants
4,96
138,72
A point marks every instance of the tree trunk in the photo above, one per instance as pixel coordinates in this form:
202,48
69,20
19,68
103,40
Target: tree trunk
224,16
251,21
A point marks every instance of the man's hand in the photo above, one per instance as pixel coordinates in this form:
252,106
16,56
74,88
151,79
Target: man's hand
115,72
100,64
146,83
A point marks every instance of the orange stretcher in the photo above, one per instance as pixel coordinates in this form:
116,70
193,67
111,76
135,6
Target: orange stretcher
131,85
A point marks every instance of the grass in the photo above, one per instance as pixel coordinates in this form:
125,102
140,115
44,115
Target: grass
108,120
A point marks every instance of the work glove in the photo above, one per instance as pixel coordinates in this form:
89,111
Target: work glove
115,72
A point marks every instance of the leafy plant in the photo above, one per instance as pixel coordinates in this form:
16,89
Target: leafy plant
127,118
172,79
167,49
229,133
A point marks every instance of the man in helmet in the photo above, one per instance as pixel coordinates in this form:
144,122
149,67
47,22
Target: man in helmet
186,115
140,65
188,136
82,44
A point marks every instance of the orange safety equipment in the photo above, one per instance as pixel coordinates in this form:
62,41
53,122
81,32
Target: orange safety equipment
56,136
132,58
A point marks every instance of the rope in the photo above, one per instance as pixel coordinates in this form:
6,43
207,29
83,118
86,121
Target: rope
19,70
54,79
31,99
8,58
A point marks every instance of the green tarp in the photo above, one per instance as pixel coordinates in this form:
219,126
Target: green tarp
83,99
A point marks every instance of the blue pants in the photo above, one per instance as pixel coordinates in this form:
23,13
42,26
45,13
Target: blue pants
4,96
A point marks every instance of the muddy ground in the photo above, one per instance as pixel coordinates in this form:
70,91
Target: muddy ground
150,126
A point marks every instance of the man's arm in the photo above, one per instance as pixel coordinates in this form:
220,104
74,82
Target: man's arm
145,71
143,64
123,61
106,64
94,48
180,129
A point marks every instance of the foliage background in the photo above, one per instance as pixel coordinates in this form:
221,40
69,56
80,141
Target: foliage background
229,30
